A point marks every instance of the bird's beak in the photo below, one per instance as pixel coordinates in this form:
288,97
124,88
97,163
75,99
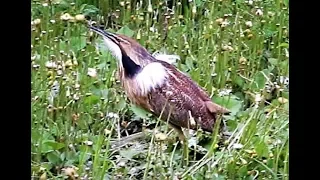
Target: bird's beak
105,34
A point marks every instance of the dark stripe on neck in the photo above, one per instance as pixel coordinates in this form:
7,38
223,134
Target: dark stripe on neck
130,67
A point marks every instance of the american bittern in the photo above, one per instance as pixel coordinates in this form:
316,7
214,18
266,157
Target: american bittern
160,87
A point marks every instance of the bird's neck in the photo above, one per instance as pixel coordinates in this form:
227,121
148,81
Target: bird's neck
129,66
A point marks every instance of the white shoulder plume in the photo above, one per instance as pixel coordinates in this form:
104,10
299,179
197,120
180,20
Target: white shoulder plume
163,56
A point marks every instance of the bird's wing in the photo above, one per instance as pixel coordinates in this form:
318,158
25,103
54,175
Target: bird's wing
186,81
175,103
180,98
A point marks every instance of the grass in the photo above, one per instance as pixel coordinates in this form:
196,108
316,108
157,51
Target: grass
236,50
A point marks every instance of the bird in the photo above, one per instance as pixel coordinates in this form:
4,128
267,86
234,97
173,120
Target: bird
160,87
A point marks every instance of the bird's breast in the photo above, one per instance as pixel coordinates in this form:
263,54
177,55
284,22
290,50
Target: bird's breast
133,93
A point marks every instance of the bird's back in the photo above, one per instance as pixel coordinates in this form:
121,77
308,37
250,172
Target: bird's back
183,101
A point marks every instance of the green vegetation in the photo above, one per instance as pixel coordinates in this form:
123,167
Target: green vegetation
237,50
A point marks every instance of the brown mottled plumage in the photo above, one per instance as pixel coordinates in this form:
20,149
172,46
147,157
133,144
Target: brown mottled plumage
160,87
178,95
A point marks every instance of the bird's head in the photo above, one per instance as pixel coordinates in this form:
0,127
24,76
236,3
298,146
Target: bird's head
129,53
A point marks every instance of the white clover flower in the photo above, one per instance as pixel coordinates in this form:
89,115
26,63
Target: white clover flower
112,115
225,23
224,92
77,86
227,48
59,72
36,22
249,23
121,164
237,146
51,64
160,137
92,72
80,17
283,100
284,80
76,97
277,142
107,131
88,143
152,29
258,98
66,17
259,12
194,9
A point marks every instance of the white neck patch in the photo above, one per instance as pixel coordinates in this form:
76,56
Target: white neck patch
152,75
114,49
